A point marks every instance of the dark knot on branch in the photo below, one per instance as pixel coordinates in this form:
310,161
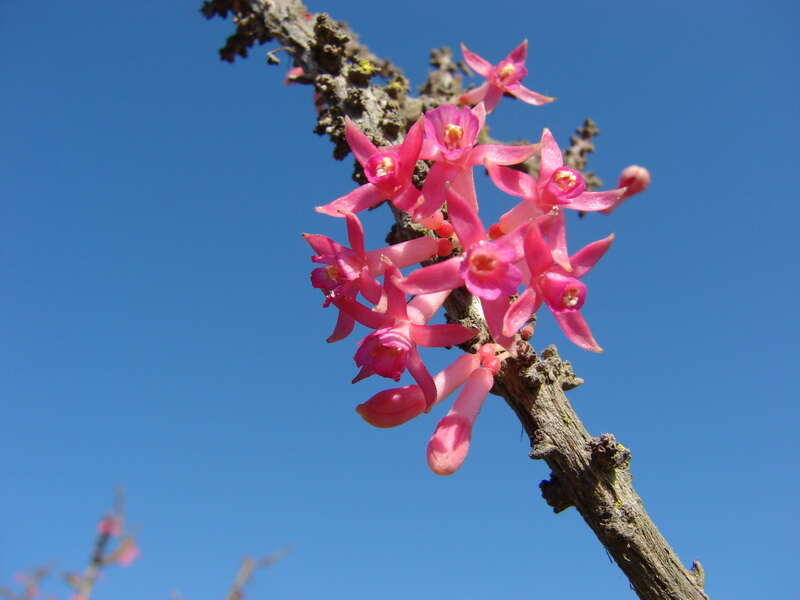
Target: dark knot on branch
554,494
607,453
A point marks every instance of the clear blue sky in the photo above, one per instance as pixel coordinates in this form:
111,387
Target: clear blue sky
159,330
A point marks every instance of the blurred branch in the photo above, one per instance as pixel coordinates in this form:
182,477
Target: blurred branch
590,473
248,566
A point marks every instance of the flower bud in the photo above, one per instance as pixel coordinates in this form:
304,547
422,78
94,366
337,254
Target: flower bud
393,407
634,179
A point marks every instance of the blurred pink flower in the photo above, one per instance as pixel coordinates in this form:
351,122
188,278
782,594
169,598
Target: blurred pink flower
127,552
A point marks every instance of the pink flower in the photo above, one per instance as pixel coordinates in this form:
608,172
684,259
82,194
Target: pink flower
348,271
487,268
110,525
634,179
503,78
126,553
556,187
449,444
385,352
450,136
451,131
392,347
560,290
388,170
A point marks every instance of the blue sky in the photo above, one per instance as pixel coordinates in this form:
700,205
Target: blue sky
160,331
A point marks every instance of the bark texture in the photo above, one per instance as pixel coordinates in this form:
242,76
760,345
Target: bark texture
590,473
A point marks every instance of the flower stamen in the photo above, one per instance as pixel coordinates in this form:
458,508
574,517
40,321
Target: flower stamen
565,179
452,135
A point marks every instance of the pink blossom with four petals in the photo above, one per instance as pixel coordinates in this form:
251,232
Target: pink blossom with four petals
501,78
559,289
388,170
350,270
451,134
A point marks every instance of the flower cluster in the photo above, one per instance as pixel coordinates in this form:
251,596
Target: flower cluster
511,267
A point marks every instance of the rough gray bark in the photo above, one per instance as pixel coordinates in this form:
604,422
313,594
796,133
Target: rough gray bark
590,473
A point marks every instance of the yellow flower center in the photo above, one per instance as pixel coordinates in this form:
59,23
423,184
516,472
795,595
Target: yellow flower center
565,180
385,167
452,134
482,263
506,70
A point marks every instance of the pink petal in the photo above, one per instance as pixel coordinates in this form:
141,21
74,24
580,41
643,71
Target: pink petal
585,258
575,328
494,312
420,374
477,63
525,210
475,95
395,297
551,156
403,254
355,232
369,286
407,199
512,181
480,113
501,155
464,185
464,219
323,245
520,53
410,149
359,199
433,189
592,201
492,97
528,96
363,373
423,306
454,375
359,312
519,312
439,336
434,278
537,252
344,326
430,149
360,144
553,228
